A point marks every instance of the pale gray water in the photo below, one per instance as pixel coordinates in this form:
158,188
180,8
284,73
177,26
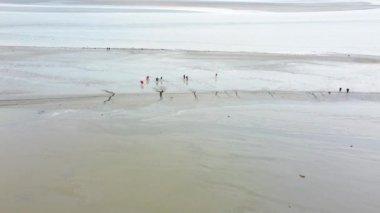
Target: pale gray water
198,28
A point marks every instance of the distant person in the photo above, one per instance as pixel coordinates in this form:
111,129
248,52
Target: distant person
142,84
347,90
184,77
147,79
340,89
157,80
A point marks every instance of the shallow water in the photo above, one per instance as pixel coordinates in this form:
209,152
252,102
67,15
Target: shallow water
221,30
68,71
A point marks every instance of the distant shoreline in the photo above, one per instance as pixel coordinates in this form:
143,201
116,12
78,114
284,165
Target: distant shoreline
365,58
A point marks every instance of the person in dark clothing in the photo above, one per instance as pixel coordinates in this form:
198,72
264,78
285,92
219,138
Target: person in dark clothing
347,90
340,89
147,79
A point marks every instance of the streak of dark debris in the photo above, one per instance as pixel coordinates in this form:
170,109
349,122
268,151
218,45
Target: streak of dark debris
110,97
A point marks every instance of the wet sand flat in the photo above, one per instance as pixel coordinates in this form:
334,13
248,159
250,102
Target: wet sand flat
28,72
236,145
284,152
269,133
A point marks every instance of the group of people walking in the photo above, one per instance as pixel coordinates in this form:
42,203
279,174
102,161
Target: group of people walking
147,80
340,90
347,90
160,80
185,79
